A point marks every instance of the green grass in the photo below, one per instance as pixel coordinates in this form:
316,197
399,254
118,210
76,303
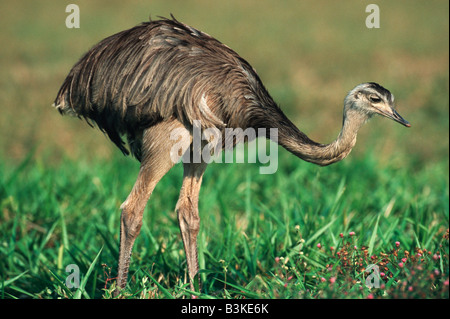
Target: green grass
259,234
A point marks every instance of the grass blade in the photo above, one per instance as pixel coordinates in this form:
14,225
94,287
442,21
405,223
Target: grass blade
319,232
164,290
81,289
374,236
61,284
9,281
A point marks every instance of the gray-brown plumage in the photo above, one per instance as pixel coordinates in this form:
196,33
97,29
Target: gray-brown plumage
162,75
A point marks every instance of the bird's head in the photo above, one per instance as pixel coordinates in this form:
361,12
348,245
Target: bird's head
370,99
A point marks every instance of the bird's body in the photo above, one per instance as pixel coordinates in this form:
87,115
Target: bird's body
158,71
163,75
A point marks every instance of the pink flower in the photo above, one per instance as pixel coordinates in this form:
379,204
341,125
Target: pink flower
435,257
370,296
446,283
352,233
400,265
397,243
382,274
404,260
323,279
410,288
277,259
341,235
332,280
319,245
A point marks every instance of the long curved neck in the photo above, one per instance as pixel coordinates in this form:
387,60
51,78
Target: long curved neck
296,142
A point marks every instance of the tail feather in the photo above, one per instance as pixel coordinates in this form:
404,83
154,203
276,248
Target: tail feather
65,107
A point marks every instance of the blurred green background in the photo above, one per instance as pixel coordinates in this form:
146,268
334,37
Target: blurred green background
308,54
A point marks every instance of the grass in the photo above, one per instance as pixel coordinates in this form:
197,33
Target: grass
286,235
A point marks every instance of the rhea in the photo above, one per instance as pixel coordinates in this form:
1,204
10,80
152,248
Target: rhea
163,75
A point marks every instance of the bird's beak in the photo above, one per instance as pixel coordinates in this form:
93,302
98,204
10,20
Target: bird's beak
393,115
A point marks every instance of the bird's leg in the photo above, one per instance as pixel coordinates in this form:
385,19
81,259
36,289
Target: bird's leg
188,217
156,161
131,220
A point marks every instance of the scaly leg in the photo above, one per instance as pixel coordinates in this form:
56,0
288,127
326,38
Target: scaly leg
188,217
156,161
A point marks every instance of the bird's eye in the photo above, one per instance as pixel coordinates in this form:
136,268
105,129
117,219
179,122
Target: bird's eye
374,99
